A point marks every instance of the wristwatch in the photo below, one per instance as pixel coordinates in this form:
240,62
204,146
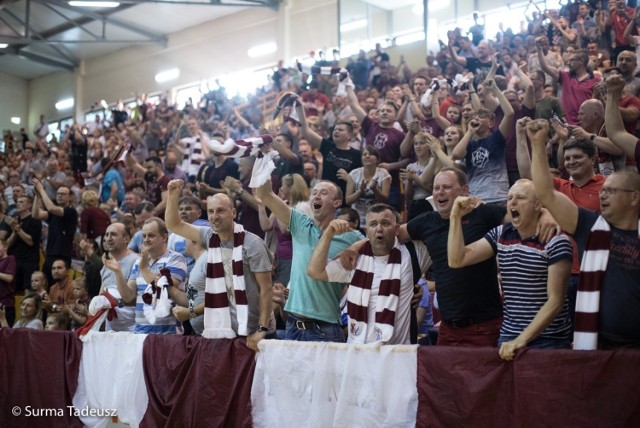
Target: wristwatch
592,137
239,192
263,328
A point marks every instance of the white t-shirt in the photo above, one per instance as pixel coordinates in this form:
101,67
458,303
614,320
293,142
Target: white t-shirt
337,273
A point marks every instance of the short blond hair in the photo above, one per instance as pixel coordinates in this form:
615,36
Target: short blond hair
90,198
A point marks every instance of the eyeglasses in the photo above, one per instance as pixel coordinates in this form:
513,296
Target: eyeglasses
613,190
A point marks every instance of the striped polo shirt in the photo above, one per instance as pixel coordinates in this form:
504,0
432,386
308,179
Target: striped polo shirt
524,266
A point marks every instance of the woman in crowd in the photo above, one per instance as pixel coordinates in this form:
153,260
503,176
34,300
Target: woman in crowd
30,313
295,192
93,220
368,184
415,192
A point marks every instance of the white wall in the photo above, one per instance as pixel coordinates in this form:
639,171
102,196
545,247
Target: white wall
200,52
45,91
13,101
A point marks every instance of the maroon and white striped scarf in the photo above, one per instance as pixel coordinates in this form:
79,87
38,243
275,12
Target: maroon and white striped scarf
316,69
217,315
359,293
264,164
342,74
240,148
592,271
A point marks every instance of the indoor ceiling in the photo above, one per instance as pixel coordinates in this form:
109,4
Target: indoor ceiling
49,36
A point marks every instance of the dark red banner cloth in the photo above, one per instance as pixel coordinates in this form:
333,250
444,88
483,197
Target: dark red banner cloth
197,382
471,387
38,376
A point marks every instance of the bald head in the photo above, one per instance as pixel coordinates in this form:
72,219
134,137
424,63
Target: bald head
525,186
630,178
221,198
591,115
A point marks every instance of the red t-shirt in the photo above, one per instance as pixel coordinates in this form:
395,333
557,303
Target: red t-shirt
587,196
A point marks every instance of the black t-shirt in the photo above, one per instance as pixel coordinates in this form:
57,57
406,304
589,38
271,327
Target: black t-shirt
335,159
472,291
481,69
214,176
23,252
620,293
61,231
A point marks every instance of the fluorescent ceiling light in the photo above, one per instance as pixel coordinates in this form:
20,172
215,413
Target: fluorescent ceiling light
3,45
353,25
165,76
262,50
65,104
15,120
94,3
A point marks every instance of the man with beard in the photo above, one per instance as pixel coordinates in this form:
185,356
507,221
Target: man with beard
155,179
171,168
479,66
577,84
383,315
627,63
118,262
61,292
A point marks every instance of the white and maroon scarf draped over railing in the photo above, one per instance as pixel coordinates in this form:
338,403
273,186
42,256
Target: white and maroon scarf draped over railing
217,314
359,293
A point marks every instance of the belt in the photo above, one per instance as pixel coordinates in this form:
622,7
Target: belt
468,322
309,324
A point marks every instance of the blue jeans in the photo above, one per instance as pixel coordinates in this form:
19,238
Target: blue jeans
541,343
321,333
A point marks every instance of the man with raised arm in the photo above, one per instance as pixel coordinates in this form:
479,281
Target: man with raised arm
608,300
63,221
629,143
313,306
577,83
339,157
533,275
484,150
381,286
238,280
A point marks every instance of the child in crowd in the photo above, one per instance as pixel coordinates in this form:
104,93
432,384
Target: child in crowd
78,311
58,321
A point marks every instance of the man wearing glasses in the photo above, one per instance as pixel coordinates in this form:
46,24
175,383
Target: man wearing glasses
63,221
608,300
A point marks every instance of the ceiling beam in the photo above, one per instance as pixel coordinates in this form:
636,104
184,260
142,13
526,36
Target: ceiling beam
36,36
155,37
40,59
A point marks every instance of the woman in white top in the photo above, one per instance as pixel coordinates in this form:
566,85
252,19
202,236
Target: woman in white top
30,313
415,192
367,185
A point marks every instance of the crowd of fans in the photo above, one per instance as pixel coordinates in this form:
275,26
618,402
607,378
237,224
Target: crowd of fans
93,200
